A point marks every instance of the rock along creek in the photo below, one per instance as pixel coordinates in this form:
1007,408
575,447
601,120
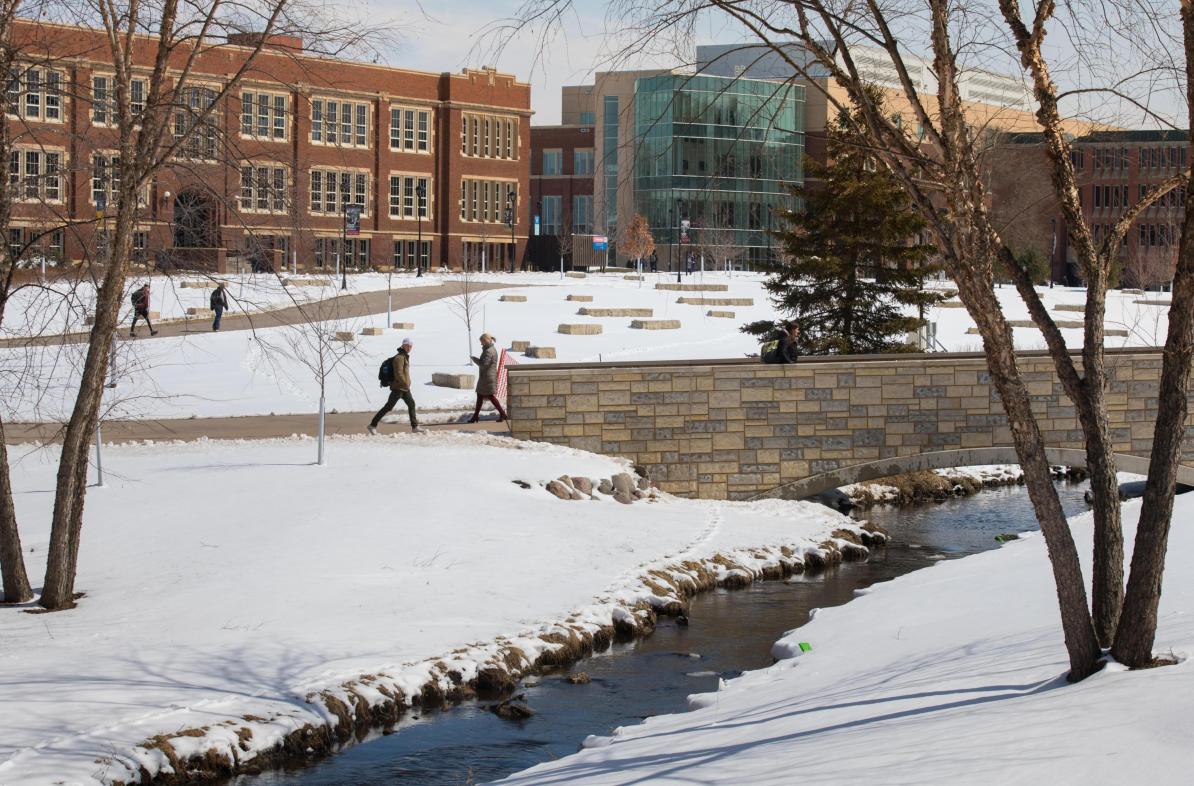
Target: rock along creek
729,631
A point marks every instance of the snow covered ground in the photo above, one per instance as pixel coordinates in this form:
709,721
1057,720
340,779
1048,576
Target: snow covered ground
227,581
242,373
952,674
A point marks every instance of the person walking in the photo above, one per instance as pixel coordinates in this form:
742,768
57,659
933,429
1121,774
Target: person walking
787,346
219,302
399,388
140,300
487,368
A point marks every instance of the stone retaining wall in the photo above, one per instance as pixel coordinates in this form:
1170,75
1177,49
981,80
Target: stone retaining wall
732,429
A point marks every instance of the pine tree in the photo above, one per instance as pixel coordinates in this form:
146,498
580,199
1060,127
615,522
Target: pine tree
853,268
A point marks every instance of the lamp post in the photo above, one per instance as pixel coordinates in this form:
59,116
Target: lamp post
510,222
676,228
341,262
421,194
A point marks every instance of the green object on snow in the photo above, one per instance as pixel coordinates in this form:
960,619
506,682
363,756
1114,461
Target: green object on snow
806,647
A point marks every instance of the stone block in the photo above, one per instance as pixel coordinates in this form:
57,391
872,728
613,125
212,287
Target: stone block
1069,307
198,284
586,329
303,282
716,301
373,331
513,298
720,314
580,298
458,381
951,304
541,352
576,274
616,312
519,346
200,312
655,324
345,335
693,287
403,326
1153,302
632,277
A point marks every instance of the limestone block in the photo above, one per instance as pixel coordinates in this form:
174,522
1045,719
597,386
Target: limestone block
951,304
694,287
458,381
345,335
200,312
372,331
513,298
655,324
1069,307
1153,302
403,326
1118,332
720,314
581,298
303,282
588,329
632,277
616,312
576,274
717,301
197,284
541,352
519,346
1065,324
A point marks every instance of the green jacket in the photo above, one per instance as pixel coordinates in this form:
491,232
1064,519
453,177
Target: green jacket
401,371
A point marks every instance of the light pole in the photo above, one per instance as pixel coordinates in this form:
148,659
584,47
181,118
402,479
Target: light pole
510,222
677,239
341,262
420,193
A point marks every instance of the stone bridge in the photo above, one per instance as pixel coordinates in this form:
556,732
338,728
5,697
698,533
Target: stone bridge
739,429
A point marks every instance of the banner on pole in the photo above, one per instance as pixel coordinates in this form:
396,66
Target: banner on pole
352,220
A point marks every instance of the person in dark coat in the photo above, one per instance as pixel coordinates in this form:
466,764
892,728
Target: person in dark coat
219,302
654,261
787,350
399,389
487,371
141,311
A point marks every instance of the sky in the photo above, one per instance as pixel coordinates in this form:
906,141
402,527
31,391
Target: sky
447,35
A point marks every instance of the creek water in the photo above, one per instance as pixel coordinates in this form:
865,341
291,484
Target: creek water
728,632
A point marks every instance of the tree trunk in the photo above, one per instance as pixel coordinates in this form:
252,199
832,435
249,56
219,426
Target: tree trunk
12,560
1138,623
71,488
1107,580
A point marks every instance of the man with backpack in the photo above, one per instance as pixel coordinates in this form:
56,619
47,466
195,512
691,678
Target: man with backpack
785,347
219,302
395,374
140,300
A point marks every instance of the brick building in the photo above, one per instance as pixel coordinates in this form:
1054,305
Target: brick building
1115,169
562,196
437,157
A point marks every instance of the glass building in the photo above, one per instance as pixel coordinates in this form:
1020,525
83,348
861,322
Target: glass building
719,153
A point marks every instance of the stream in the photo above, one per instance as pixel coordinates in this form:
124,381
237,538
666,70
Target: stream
730,631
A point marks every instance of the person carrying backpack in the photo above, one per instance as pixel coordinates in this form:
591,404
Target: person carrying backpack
219,302
140,300
397,376
785,347
487,368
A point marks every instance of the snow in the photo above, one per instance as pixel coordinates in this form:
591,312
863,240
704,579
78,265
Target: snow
952,674
234,579
253,373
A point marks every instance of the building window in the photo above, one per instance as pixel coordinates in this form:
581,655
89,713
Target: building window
35,94
16,242
194,125
333,190
582,161
553,162
551,217
404,196
484,136
588,118
263,115
582,214
485,200
405,256
410,129
103,98
57,240
35,175
263,188
340,123
140,247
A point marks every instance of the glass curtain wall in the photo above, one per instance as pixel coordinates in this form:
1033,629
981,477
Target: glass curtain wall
720,153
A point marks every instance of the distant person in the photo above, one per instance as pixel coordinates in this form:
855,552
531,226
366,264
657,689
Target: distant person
786,347
487,368
399,382
654,262
219,302
691,264
140,300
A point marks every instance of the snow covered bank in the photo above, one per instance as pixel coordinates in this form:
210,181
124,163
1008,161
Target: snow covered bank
241,602
916,487
953,674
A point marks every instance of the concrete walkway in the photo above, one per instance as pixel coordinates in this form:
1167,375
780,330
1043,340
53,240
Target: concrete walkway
341,307
256,427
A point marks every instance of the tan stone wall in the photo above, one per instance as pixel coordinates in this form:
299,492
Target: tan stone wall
735,429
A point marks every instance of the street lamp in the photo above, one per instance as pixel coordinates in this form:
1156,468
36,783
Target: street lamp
510,223
340,257
421,193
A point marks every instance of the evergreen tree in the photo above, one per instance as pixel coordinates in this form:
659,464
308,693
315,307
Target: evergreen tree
853,266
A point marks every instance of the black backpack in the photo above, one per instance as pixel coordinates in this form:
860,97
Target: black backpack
385,374
216,299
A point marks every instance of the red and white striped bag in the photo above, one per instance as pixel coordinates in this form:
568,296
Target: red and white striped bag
505,360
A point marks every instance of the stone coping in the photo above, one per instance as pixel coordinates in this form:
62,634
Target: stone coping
806,360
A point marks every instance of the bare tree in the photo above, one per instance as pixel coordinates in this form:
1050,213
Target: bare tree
565,244
943,175
469,301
